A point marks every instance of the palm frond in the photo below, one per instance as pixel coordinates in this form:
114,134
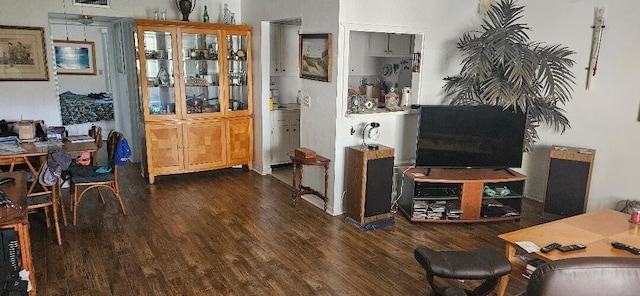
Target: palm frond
501,66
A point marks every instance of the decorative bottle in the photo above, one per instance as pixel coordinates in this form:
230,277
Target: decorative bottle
163,76
391,99
205,15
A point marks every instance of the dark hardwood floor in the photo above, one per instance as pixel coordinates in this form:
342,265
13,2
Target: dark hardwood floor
235,232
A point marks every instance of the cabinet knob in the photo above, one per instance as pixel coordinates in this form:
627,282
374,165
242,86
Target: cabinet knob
284,70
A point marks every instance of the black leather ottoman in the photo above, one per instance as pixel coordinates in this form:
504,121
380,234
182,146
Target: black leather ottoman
481,264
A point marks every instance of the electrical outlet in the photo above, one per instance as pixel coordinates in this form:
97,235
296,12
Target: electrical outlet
306,101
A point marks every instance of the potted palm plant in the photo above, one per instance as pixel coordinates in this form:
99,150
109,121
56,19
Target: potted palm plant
503,67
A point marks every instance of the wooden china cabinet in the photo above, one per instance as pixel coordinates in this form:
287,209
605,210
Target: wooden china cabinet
195,96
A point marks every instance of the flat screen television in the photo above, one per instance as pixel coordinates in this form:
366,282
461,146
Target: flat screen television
469,137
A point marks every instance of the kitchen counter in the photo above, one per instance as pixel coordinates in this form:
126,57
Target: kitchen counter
286,107
383,111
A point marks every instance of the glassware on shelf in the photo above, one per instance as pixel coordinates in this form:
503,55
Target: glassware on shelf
237,78
163,76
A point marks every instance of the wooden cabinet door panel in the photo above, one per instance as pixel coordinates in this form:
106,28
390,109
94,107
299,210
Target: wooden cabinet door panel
294,136
378,44
165,148
204,145
240,140
279,144
400,45
289,50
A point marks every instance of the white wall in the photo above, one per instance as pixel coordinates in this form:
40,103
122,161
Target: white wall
602,118
317,128
38,100
84,84
605,116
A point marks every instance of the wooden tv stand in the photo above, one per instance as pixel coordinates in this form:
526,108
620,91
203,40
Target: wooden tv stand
462,190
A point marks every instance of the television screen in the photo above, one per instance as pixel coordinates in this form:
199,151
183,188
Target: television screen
470,137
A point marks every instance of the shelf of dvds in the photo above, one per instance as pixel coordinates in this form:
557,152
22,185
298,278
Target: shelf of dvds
461,195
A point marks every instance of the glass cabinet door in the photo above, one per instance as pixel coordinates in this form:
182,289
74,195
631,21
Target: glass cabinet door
201,72
236,54
158,63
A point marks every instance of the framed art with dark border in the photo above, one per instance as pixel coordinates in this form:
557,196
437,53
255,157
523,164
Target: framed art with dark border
94,3
22,54
315,57
75,57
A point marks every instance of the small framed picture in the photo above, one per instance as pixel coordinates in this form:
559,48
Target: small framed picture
75,57
315,57
415,63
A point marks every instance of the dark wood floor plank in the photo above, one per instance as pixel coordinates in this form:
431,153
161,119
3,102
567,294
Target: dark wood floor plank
235,232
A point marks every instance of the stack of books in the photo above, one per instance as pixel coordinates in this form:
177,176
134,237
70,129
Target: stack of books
79,139
420,209
530,262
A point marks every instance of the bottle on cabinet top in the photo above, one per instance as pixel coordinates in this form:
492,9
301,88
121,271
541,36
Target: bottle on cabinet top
205,15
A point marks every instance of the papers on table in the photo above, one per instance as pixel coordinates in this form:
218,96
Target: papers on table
80,139
528,246
8,148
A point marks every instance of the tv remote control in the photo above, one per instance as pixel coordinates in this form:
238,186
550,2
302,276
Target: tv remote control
550,247
573,247
628,248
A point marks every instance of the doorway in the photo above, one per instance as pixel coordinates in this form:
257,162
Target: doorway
282,125
113,82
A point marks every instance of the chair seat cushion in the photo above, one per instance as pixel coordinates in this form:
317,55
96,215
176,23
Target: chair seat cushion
39,200
470,265
88,174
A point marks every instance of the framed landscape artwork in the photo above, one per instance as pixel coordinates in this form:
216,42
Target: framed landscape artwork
315,57
22,54
75,57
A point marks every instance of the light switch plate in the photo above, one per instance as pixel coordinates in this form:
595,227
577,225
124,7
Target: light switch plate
306,100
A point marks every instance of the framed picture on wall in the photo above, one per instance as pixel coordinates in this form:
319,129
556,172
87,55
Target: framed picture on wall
315,57
75,57
22,54
94,3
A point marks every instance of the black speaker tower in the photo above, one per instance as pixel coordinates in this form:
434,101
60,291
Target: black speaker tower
568,182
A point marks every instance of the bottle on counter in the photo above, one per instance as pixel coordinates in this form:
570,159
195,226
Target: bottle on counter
391,99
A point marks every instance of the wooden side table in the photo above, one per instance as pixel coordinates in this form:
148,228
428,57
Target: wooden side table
300,189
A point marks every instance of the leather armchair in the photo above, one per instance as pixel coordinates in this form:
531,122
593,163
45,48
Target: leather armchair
587,276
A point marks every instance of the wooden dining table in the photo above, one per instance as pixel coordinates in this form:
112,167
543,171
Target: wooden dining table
34,157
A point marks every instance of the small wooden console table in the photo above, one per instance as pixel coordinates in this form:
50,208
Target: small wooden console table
300,189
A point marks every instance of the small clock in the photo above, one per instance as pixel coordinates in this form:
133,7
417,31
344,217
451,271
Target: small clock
241,54
374,134
368,105
370,135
